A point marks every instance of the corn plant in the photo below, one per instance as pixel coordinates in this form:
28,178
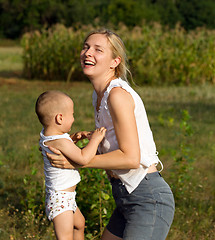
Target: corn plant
156,55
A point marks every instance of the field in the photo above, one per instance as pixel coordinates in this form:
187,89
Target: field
182,121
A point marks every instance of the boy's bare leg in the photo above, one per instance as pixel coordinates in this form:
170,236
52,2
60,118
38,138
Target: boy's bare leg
79,224
64,225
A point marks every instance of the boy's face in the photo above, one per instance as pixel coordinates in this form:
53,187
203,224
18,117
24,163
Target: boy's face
68,116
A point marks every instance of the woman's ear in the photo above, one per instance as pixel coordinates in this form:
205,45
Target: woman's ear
59,118
116,62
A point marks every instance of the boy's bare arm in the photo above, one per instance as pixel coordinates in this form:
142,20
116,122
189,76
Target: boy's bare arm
74,153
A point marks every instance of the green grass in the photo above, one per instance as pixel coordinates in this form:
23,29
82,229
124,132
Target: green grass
10,58
19,155
21,166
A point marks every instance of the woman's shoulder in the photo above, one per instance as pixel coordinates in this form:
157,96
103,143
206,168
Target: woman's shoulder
118,82
117,92
119,87
119,97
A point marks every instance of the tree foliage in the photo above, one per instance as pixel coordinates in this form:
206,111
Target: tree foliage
19,16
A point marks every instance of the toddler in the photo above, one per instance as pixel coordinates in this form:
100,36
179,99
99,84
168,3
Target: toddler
55,112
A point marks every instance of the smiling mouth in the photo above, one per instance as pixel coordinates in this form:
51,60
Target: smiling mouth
89,63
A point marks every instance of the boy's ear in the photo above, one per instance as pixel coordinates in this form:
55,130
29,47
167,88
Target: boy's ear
59,118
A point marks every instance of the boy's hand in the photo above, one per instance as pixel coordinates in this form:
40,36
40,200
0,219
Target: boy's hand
99,134
80,135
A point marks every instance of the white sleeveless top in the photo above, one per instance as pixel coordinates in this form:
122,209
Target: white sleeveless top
130,178
57,178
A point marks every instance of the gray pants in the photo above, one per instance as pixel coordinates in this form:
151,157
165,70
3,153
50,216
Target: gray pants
146,213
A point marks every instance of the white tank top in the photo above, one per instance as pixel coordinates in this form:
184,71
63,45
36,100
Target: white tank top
57,178
131,178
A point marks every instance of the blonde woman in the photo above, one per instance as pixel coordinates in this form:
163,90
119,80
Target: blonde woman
144,201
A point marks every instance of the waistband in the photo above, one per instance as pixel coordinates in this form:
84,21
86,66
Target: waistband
147,177
50,191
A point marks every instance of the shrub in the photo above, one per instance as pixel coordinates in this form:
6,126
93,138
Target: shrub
156,55
51,54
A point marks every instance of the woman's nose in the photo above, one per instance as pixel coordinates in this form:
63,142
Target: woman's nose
88,52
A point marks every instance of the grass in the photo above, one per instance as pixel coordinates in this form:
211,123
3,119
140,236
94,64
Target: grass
10,61
21,166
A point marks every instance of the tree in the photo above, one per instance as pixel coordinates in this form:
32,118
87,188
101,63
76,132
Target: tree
169,14
197,13
18,16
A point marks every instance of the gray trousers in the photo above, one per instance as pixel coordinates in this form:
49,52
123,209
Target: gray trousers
146,213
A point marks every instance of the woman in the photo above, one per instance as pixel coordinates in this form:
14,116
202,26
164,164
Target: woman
144,201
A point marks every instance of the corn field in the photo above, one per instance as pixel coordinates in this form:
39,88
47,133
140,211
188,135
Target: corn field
156,55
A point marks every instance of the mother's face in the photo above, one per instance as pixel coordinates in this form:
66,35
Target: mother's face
96,56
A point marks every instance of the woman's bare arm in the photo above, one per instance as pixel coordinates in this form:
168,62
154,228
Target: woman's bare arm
121,106
74,153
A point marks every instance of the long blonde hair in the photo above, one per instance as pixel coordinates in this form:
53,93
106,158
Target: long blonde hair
118,50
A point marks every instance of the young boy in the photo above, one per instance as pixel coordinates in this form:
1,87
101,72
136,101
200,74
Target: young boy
55,112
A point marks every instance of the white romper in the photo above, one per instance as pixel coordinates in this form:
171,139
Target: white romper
57,179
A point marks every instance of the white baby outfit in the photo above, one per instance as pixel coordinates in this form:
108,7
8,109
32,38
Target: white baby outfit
130,178
56,180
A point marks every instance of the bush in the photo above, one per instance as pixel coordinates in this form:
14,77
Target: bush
51,54
156,55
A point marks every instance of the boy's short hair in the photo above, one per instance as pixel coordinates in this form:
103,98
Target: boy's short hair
49,104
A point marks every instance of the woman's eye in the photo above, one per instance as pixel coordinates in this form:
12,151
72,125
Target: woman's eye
98,50
85,47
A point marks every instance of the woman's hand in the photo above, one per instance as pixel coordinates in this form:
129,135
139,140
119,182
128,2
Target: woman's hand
58,160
